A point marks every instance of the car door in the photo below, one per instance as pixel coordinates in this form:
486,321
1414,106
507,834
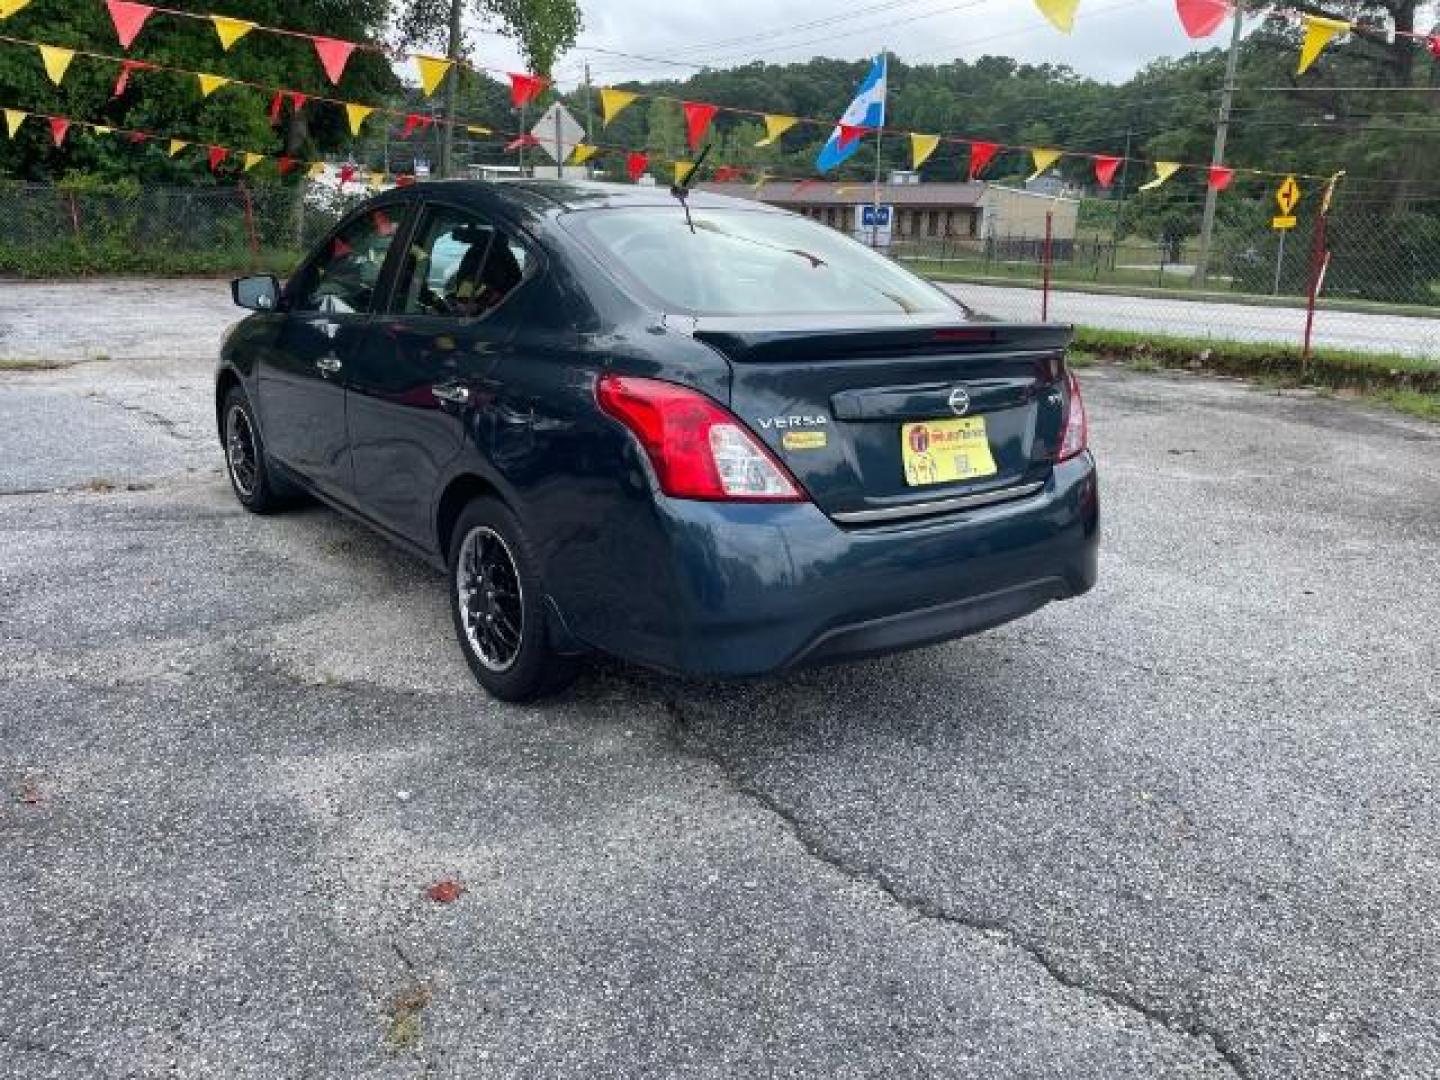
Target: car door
422,372
328,306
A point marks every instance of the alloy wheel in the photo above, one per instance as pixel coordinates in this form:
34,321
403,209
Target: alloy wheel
491,601
240,451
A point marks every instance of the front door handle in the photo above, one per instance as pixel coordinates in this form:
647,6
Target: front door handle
455,395
328,364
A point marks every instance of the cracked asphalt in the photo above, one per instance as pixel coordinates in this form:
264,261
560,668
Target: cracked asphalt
1184,827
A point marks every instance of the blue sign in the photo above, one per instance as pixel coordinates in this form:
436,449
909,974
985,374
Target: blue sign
875,217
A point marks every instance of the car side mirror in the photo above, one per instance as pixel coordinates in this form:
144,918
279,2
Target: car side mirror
260,292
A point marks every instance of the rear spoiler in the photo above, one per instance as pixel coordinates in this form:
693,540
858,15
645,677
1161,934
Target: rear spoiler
746,341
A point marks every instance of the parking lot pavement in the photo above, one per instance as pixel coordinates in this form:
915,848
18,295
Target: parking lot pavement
1184,827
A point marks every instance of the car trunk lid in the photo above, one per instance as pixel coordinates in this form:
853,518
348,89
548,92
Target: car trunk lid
886,418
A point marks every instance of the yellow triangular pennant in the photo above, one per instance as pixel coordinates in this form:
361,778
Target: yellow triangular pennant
210,83
100,129
357,115
13,119
583,153
57,61
10,7
176,145
432,70
251,160
476,129
613,102
230,30
683,169
1163,171
1318,33
376,181
775,126
921,147
1061,13
1043,160
316,170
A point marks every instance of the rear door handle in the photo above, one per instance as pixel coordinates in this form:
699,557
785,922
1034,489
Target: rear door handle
328,364
455,395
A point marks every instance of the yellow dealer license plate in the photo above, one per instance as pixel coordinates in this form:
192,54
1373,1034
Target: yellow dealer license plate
944,451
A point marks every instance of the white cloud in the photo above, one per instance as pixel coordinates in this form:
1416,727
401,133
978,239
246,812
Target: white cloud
1112,38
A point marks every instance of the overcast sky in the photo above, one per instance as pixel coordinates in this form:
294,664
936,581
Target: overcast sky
1112,38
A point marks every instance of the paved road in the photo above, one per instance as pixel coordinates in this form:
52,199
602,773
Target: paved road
1235,322
1185,827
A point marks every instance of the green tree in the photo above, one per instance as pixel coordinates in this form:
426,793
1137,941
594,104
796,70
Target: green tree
171,104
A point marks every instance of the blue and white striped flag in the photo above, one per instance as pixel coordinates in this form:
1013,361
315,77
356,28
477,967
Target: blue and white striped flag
866,111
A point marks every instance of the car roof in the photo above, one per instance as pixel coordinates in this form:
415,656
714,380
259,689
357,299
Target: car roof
540,197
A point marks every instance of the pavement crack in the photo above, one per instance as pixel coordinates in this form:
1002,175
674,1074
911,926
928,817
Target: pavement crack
169,425
690,742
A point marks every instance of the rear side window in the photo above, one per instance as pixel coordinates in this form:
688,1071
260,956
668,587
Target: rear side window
749,262
343,278
459,266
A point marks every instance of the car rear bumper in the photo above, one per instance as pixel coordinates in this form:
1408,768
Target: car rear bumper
753,589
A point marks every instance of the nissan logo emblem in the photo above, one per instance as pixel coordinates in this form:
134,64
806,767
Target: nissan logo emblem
959,401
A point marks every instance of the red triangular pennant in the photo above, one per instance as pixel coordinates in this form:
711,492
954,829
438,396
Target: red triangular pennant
1105,167
276,103
524,88
297,100
217,155
635,165
58,127
524,140
347,173
725,173
413,121
1219,177
128,19
123,79
138,136
285,164
848,134
697,118
1201,18
334,55
1433,43
981,154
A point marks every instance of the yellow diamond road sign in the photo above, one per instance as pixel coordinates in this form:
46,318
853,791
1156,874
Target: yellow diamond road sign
1287,195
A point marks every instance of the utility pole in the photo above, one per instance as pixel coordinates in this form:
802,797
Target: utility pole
446,164
1222,131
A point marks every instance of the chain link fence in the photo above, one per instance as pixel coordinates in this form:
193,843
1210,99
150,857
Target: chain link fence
1377,268
56,231
1123,267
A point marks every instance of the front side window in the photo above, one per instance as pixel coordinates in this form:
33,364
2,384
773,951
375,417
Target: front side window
750,262
459,266
343,279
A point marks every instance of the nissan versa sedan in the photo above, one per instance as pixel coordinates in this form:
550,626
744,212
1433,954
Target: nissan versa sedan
695,432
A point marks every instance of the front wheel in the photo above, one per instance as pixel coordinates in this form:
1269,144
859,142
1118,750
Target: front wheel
254,481
497,602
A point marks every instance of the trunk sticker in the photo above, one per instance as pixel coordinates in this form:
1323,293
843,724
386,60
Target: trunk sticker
803,440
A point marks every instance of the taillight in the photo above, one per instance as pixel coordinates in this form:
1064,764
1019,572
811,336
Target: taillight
698,449
1075,430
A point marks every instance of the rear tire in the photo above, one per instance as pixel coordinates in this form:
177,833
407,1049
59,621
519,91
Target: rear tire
256,483
497,603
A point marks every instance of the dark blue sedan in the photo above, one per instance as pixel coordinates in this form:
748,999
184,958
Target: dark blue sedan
700,434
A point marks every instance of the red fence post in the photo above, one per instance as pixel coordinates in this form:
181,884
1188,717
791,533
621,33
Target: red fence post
250,221
1045,290
1319,263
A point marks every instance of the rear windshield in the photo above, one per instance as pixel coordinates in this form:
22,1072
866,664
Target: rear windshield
750,262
